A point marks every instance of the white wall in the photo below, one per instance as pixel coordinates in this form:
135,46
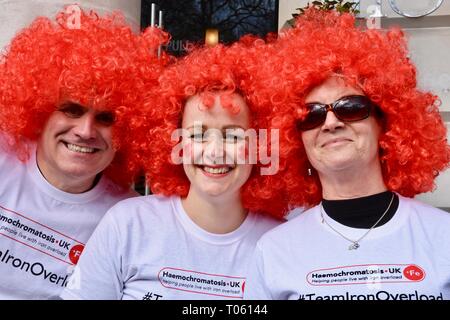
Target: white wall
17,14
414,5
287,7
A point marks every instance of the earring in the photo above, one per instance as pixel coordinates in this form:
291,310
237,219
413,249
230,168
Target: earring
309,172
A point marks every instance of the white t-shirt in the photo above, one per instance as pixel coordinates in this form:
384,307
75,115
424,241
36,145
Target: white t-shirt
43,229
148,248
408,258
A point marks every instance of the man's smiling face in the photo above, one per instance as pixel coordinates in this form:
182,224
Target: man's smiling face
75,145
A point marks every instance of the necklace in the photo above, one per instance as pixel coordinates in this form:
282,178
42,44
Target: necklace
355,243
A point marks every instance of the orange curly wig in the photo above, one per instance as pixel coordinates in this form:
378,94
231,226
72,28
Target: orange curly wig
203,71
413,145
100,63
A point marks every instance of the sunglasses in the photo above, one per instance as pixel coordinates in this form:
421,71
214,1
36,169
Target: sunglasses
347,109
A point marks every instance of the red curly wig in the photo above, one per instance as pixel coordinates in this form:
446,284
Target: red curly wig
99,63
228,69
413,145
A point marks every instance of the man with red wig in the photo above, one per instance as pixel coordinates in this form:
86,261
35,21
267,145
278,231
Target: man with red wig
364,141
67,90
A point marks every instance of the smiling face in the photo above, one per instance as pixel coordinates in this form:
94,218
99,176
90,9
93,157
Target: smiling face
214,143
336,145
75,146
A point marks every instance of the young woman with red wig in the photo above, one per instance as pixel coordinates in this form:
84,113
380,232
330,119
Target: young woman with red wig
67,91
194,239
364,141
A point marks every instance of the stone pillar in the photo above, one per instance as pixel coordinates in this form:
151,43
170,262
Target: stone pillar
17,14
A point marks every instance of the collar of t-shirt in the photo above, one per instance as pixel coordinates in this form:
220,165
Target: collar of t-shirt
42,184
362,212
212,238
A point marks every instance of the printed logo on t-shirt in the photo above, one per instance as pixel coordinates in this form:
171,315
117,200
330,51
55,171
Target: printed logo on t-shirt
372,295
202,283
17,227
75,253
366,274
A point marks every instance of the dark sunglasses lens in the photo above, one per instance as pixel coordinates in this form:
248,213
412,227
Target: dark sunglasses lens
315,117
353,108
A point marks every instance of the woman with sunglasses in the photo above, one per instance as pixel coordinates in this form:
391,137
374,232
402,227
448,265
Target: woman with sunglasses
195,237
366,141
